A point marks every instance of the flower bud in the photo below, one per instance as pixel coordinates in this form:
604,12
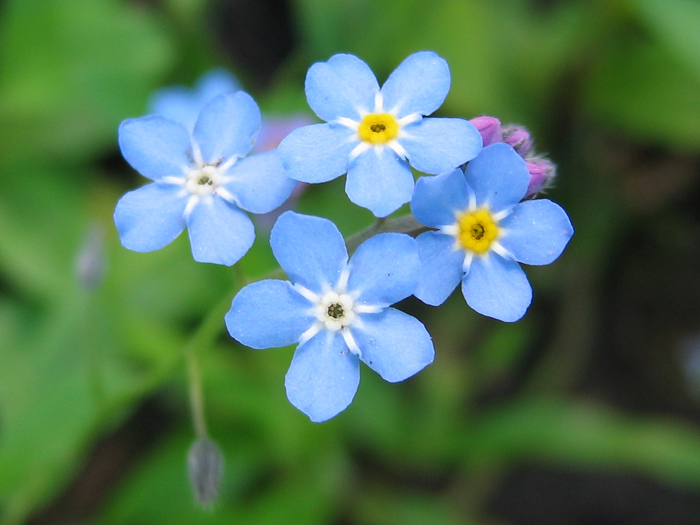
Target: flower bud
518,138
205,465
542,173
490,129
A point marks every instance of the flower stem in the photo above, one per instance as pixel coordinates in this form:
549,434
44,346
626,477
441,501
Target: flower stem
204,337
406,224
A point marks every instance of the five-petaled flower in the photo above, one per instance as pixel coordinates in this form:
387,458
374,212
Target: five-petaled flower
483,232
338,310
373,134
201,180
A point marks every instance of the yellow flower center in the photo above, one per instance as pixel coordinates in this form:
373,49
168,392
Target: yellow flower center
476,230
378,129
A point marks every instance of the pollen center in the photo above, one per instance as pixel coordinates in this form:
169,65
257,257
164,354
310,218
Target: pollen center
335,311
203,181
378,129
476,230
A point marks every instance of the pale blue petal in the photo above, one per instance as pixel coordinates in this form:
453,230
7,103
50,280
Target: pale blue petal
384,269
259,182
155,146
268,314
497,287
150,217
441,267
317,153
394,344
419,85
323,377
214,83
435,145
498,176
437,200
379,181
536,232
342,87
219,232
227,125
309,249
176,103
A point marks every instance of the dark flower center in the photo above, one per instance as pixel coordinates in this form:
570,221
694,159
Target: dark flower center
204,179
335,311
477,231
378,128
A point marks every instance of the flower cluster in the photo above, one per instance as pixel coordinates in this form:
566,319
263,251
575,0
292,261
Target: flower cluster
477,204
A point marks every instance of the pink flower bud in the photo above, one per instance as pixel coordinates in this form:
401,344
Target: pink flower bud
518,138
490,129
542,173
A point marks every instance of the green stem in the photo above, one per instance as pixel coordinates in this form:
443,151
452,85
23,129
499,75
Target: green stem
406,224
204,337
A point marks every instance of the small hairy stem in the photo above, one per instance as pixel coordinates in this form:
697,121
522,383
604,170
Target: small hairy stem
204,337
406,224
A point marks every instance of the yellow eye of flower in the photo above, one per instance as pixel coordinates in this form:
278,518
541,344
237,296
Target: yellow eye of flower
378,129
476,230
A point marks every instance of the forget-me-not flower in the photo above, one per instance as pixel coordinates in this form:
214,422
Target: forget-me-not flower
337,310
374,134
483,232
202,180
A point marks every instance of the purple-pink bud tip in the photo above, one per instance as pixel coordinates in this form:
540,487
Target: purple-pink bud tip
542,173
490,129
518,138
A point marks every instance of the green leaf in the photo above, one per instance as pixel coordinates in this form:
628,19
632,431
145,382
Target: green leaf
70,70
675,23
642,90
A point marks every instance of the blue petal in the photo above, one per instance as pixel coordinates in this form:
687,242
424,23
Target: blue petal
259,182
215,82
268,314
342,87
536,232
498,176
436,200
155,146
176,103
435,145
379,181
394,344
419,85
219,232
384,269
150,217
323,377
317,153
227,125
441,267
497,287
309,249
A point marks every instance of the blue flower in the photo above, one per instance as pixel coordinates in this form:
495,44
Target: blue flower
337,310
374,134
183,105
484,231
201,180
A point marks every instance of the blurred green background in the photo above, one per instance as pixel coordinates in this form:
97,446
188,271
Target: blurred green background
586,412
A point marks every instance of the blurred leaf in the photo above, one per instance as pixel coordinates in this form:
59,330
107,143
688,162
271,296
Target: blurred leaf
675,23
645,92
587,436
70,70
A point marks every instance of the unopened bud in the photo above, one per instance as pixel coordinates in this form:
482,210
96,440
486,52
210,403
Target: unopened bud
490,129
274,129
205,465
542,173
518,138
90,262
